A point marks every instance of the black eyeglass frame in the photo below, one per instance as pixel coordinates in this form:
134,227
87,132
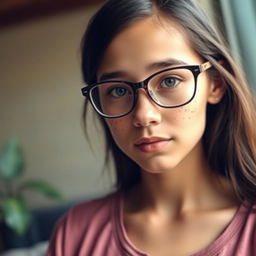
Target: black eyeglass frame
195,69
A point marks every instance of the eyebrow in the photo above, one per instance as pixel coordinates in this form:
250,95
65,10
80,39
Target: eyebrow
166,63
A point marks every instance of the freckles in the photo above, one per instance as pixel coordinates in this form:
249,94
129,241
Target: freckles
187,113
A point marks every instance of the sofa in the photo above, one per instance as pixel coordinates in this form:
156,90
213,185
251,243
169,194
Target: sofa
34,242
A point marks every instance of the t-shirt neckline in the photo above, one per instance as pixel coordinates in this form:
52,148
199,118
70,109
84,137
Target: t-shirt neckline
126,246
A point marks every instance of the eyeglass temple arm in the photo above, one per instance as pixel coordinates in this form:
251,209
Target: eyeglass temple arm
205,66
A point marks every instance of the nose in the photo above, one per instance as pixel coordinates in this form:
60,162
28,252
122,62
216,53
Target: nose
146,112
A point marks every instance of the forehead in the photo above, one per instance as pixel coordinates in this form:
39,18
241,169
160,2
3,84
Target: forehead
147,41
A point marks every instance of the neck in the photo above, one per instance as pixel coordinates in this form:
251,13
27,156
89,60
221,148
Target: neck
190,186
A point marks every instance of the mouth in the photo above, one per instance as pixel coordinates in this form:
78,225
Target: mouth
152,144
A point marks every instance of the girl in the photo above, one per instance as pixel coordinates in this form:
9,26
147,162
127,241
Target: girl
179,121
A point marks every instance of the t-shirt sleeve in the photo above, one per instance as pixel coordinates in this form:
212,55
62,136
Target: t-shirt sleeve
82,229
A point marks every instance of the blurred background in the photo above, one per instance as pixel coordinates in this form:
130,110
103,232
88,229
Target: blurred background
40,99
40,80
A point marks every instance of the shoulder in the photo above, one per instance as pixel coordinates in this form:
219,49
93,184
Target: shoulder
96,206
251,216
82,225
90,213
246,216
245,231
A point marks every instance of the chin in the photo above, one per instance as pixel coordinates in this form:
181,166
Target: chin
159,168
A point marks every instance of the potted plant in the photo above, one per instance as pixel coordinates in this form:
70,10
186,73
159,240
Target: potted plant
13,208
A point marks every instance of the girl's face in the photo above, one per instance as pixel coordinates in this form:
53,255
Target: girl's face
157,139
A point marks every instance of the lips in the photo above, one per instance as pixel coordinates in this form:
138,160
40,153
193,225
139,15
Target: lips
152,144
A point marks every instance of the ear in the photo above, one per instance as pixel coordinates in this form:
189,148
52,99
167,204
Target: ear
217,90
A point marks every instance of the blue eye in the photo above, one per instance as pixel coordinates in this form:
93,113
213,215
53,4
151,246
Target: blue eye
118,92
170,82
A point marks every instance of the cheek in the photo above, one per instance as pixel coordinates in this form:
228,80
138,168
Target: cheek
190,118
116,126
187,113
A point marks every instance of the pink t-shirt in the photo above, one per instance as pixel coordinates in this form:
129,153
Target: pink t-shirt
96,229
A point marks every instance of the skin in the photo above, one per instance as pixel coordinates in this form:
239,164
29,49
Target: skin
180,197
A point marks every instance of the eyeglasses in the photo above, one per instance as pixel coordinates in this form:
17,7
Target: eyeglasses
168,88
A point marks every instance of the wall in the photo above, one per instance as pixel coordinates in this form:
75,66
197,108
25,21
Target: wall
41,104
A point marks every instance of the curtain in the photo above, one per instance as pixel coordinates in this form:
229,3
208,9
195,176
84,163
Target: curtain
240,21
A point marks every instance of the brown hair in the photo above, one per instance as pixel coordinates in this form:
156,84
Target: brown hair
230,137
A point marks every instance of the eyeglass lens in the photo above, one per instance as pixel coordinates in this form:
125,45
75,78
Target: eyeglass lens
169,88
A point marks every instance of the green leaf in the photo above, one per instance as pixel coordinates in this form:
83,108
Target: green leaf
43,188
11,160
16,214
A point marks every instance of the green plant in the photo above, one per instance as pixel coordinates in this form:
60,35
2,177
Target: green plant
13,207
